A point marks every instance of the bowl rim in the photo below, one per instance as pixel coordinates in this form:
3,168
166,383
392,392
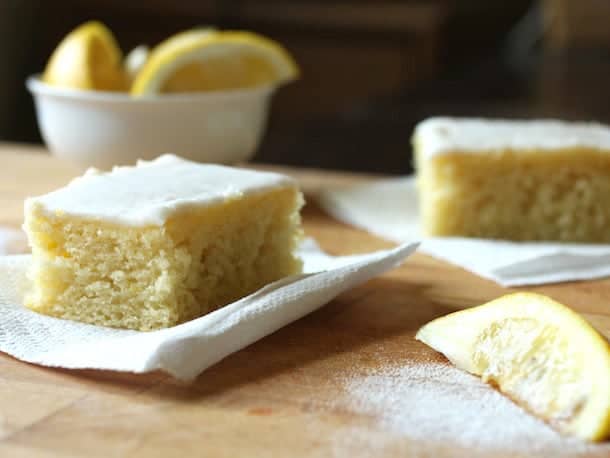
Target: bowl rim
38,87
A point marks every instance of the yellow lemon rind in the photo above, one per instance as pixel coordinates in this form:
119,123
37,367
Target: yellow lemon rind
455,335
72,62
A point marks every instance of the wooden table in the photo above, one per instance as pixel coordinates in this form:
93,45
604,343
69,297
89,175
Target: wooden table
274,398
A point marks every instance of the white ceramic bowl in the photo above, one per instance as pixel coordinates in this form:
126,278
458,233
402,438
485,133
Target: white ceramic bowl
102,129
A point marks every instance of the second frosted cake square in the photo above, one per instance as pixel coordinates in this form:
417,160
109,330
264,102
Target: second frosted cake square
518,180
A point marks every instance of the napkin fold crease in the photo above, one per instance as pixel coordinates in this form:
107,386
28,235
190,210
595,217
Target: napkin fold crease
185,350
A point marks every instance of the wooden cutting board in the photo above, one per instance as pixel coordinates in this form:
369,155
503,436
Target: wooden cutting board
278,397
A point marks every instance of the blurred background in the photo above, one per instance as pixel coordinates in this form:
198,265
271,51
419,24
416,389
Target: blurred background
371,68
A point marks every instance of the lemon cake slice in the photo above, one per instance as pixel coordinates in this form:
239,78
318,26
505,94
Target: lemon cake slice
153,245
517,180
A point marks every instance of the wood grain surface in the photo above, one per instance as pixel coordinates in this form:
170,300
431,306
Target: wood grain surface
274,398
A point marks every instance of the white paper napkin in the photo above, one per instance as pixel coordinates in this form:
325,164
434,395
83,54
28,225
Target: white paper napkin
388,208
185,350
12,241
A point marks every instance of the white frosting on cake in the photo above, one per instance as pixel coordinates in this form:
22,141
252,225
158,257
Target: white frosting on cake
150,192
440,135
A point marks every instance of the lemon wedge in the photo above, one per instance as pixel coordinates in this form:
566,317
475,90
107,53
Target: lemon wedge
214,60
138,56
538,352
87,58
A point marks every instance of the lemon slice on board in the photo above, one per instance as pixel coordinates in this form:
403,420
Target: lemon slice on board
87,58
214,61
538,352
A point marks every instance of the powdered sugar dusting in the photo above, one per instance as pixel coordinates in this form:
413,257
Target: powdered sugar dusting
438,402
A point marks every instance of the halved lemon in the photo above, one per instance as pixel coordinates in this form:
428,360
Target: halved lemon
214,61
538,352
87,58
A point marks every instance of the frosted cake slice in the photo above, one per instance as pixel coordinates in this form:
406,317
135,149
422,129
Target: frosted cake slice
518,180
154,245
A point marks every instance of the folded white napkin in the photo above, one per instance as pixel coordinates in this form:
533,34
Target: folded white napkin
388,208
185,350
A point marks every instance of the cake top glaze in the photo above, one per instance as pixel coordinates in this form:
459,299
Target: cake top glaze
442,135
151,191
